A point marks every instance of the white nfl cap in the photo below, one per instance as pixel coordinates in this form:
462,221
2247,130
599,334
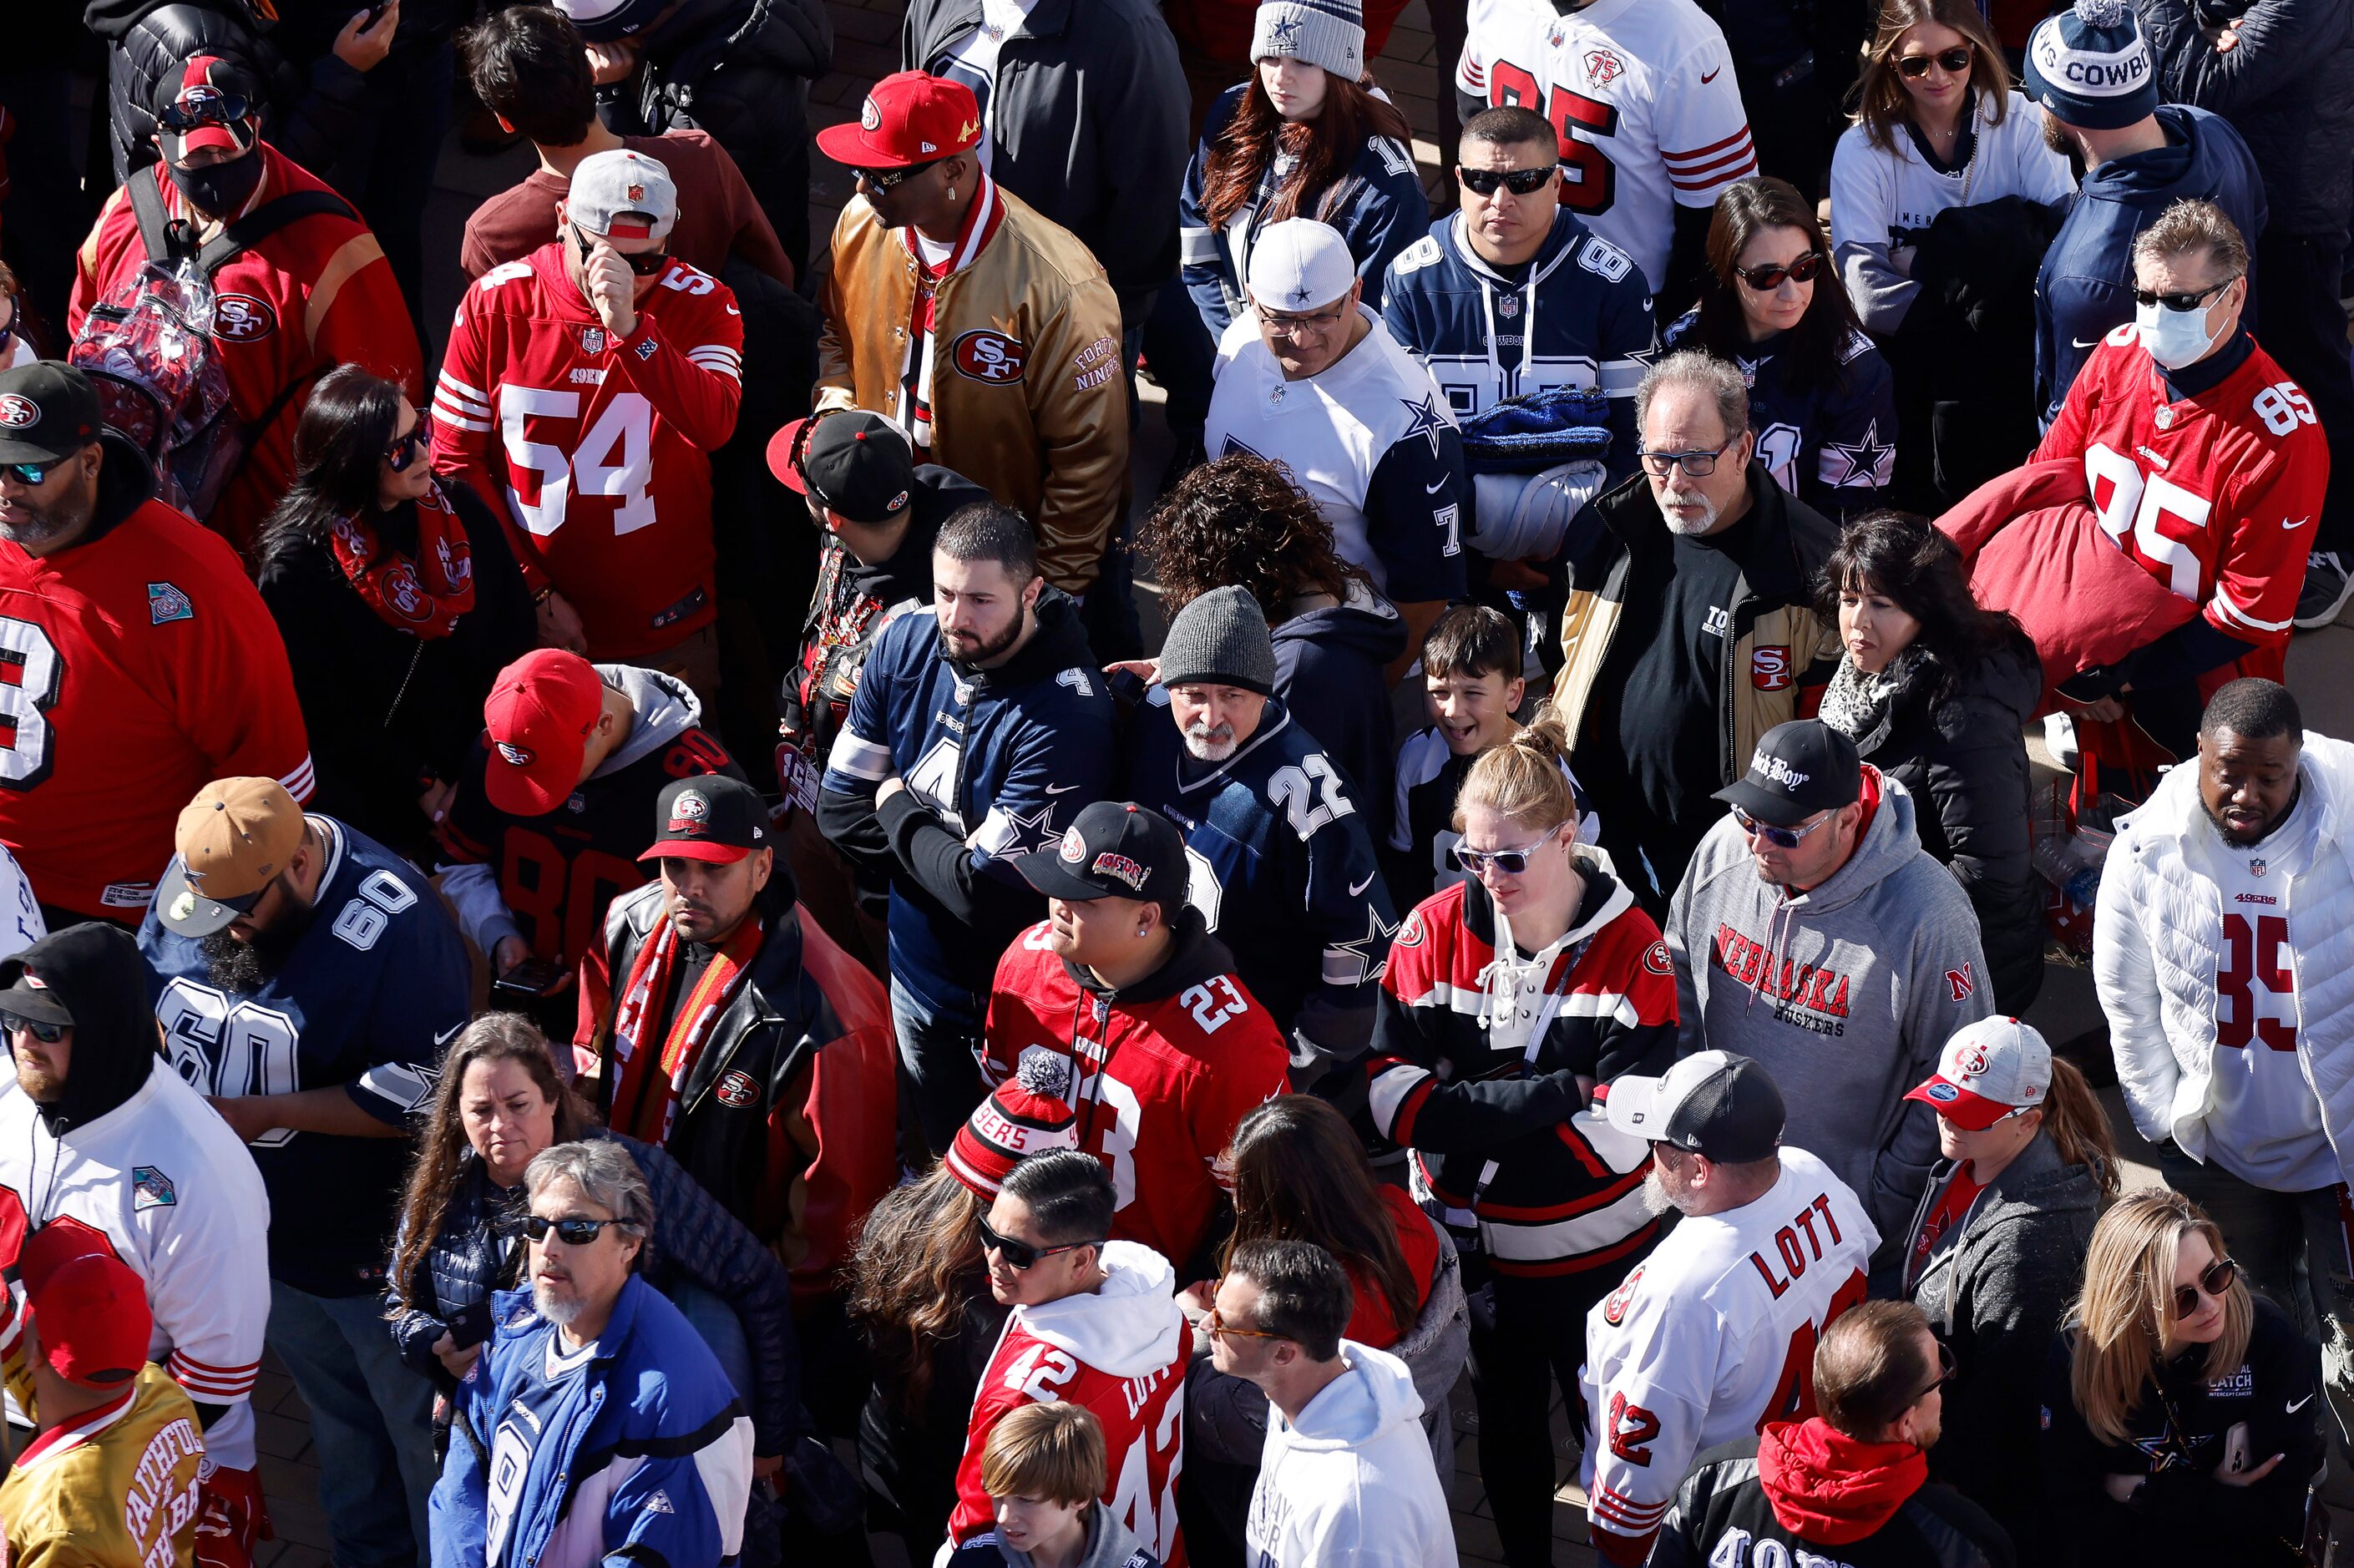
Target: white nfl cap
622,194
1986,1072
1713,1102
1299,265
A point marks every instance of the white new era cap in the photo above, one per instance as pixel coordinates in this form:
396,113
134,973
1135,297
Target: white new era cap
1988,1071
1299,265
622,194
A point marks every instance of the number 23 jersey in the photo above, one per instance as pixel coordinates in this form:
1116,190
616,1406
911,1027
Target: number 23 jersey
596,448
1642,95
1713,1335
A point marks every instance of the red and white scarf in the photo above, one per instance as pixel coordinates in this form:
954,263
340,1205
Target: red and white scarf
638,1109
982,222
424,594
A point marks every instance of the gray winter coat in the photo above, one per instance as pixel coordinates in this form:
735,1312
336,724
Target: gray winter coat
1845,993
1226,1418
1995,1291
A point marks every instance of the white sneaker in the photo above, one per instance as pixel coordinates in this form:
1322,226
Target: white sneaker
2059,739
2327,586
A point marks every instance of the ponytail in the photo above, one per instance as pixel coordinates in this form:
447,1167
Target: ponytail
1526,778
2074,1119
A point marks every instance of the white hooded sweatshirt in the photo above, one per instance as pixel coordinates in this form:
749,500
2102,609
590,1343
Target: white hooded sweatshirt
1351,1481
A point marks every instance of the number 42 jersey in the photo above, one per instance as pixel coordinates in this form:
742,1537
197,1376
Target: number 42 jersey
1709,1338
596,448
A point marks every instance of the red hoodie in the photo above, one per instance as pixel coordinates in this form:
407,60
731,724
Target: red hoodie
1831,1487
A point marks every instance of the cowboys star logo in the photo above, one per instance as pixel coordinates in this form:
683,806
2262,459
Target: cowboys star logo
1354,963
1867,462
1425,423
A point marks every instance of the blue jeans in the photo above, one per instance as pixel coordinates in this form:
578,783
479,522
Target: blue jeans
371,1419
711,1317
939,1065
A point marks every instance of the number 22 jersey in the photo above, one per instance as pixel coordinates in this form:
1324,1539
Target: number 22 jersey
596,448
1642,95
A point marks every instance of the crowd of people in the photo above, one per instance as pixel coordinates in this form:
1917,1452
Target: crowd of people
672,909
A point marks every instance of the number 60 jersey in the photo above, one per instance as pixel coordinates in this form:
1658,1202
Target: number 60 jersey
595,447
1711,1338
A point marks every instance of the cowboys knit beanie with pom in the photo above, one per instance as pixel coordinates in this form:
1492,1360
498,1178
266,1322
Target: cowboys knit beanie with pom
1221,638
2089,67
1031,1114
1328,32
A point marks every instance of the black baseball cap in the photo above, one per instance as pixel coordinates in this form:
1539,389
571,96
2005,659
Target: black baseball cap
1798,768
710,817
851,462
28,997
1713,1103
47,410
1115,850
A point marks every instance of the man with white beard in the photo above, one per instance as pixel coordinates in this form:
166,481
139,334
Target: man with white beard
1683,643
592,1363
1282,860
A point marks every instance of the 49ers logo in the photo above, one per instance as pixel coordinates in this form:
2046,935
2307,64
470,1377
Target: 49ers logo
401,592
1656,959
18,412
991,356
1769,667
241,317
735,1089
1613,1310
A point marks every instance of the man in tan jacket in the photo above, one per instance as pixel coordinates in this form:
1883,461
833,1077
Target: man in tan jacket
987,333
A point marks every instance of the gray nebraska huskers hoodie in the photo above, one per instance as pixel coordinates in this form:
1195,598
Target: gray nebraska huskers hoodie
1846,993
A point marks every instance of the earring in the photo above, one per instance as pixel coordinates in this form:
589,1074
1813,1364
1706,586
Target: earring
952,193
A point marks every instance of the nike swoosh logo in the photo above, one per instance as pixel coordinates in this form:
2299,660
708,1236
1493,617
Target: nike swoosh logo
2300,1405
1060,788
447,1035
1711,76
1362,886
733,310
2293,527
1435,488
2082,342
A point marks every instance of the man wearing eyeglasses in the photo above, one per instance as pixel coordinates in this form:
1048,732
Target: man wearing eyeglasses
584,391
1813,934
597,1425
1095,1323
1848,1485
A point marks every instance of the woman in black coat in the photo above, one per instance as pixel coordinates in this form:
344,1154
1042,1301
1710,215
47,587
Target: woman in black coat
400,600
1937,693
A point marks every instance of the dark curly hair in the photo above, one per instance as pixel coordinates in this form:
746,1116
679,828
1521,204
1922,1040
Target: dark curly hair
1903,556
1241,521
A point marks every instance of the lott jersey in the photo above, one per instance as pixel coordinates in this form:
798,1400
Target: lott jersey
366,1000
139,667
1713,1335
176,1198
1642,95
596,448
111,1488
2215,495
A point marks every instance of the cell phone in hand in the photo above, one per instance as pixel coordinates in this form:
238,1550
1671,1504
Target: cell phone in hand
470,1326
533,977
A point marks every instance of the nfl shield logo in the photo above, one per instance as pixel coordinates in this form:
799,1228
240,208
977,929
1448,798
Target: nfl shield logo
1508,305
2255,868
592,340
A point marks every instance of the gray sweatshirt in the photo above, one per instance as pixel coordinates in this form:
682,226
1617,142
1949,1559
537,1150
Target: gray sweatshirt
1845,993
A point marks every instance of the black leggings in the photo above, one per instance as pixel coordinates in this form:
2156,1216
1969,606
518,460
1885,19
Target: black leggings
1521,1327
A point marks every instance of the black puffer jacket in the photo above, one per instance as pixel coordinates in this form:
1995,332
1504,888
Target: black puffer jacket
310,114
1965,761
739,69
2287,88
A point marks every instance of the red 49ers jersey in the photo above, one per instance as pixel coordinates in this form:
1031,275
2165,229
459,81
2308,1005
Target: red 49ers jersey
595,448
1642,95
2214,495
1163,1074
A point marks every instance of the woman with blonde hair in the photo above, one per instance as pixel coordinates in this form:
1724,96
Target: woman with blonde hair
2180,1413
1510,999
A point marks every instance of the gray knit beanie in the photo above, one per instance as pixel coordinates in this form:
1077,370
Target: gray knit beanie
1328,32
1221,638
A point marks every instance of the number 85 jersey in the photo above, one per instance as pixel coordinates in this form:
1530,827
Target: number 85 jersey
596,448
2214,494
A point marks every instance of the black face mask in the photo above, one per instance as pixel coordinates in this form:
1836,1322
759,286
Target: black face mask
222,189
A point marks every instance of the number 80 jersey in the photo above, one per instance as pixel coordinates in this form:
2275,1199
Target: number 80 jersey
1642,95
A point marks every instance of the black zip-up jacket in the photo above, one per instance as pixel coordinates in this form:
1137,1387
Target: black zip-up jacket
1091,124
1723,1501
1492,1128
2180,1515
387,711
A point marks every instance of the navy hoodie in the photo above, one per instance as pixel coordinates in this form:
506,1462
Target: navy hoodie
1330,663
2085,288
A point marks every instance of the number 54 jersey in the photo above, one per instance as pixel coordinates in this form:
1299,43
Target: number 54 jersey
1712,1337
596,448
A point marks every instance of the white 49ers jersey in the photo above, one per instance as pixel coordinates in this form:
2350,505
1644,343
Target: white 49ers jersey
1712,1336
1642,94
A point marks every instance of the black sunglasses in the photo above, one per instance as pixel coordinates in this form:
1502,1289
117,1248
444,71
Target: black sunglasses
2216,1280
573,1232
1021,1253
1767,279
406,450
2184,303
47,1033
1519,182
645,263
221,110
1953,62
31,473
1945,1370
882,180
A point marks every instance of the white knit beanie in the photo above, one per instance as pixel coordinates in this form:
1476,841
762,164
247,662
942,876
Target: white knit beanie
1328,32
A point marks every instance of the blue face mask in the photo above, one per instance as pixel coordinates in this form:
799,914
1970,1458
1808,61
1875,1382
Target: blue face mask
222,189
2174,338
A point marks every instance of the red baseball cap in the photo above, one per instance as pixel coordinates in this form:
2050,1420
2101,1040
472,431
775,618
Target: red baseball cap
88,1308
213,102
909,118
537,719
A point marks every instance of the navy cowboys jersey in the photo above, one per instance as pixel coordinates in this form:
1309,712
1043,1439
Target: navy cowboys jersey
1283,867
367,1000
1579,317
1370,440
1832,446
